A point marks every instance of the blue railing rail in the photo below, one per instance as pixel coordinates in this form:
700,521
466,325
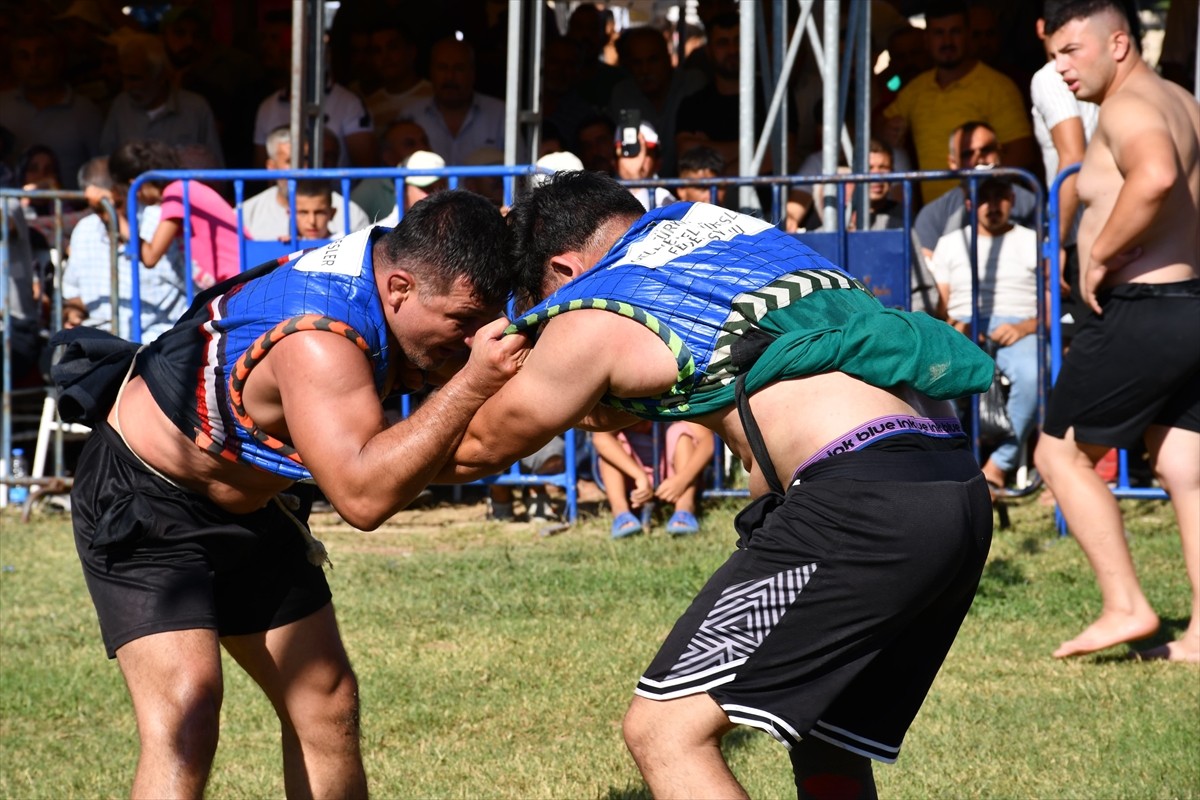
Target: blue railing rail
1052,254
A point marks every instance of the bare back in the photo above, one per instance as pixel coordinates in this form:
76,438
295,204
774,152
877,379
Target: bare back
1169,244
798,417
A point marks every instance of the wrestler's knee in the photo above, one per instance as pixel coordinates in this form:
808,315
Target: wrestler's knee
185,719
328,711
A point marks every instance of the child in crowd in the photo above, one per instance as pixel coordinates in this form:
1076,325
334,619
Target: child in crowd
215,251
314,209
627,468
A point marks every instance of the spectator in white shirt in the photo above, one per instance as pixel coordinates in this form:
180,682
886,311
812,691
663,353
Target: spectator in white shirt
458,119
265,216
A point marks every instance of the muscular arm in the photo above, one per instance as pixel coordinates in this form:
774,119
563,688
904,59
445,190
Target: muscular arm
579,357
335,420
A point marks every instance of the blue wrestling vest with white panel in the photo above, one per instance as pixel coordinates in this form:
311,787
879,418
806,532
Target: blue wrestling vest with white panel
730,294
233,326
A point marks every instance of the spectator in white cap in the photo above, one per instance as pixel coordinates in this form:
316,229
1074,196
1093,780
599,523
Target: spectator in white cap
418,187
643,165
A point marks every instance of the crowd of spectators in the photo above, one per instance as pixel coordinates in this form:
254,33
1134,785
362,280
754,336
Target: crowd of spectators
418,83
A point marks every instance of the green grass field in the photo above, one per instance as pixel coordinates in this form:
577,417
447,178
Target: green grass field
495,663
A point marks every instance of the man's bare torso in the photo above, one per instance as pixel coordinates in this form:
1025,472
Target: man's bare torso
1169,245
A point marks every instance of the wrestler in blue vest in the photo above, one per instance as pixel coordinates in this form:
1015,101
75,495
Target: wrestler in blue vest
683,271
232,326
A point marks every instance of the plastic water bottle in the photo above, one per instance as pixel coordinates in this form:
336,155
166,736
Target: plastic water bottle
17,494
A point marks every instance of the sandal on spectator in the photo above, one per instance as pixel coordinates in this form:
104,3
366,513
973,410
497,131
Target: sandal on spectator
683,523
625,524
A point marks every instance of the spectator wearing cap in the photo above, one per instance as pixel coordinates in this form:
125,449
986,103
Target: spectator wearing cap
643,165
43,109
150,107
458,119
654,87
377,196
265,216
418,187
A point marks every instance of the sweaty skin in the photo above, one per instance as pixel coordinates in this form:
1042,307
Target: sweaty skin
1140,184
315,391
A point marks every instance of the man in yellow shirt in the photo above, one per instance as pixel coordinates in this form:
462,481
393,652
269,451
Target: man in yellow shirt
957,89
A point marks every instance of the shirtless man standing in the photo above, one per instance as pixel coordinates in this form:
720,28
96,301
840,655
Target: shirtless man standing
860,556
1133,370
189,521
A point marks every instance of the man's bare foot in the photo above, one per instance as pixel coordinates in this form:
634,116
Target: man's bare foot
1171,651
1110,629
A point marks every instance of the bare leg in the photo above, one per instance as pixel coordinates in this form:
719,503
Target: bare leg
174,680
684,449
304,670
677,747
1176,455
1095,520
616,488
827,772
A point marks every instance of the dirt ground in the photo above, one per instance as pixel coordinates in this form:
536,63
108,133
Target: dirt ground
439,510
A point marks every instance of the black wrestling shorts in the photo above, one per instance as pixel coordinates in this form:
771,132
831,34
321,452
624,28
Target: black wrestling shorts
159,558
1136,365
841,602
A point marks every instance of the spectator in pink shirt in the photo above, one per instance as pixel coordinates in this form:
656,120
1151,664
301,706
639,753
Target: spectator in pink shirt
215,252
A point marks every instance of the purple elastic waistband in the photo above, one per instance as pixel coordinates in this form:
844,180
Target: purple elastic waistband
881,428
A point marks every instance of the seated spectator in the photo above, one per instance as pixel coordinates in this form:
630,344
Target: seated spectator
393,57
1007,268
43,109
458,119
710,116
628,471
230,80
266,215
151,107
377,196
345,113
417,187
38,170
973,145
540,507
959,87
315,210
24,295
214,242
643,165
87,289
594,144
654,88
490,186
702,163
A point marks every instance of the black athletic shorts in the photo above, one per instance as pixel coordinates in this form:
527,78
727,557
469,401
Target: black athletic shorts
158,558
835,613
1136,365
